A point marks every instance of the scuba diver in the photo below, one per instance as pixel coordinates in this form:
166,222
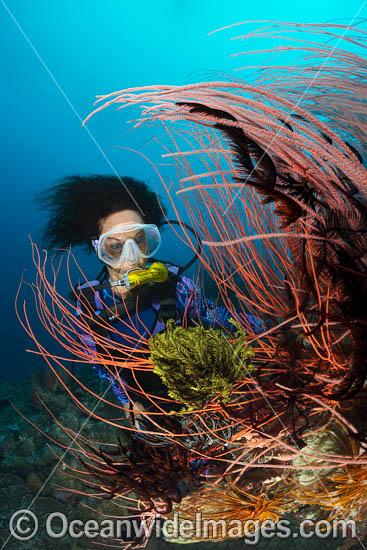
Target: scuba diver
119,219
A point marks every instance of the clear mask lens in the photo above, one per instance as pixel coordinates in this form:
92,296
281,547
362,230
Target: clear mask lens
131,251
128,243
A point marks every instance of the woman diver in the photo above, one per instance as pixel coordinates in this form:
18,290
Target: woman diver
119,219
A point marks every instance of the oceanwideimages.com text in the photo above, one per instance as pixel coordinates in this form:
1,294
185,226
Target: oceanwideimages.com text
24,525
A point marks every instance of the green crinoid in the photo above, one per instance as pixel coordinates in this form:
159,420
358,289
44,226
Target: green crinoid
197,364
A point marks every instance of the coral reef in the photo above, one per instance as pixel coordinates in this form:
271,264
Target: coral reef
273,178
233,507
153,473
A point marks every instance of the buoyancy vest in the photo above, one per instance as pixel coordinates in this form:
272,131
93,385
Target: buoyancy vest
155,302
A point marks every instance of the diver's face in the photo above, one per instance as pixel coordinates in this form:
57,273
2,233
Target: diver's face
124,217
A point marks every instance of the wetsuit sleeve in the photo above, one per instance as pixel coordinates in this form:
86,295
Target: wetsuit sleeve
101,371
86,338
191,300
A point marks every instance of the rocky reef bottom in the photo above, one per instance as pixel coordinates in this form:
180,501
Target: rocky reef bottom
36,475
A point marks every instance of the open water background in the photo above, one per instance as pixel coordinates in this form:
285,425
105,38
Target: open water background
55,57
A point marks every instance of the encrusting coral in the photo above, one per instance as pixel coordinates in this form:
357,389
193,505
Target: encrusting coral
197,364
341,491
343,495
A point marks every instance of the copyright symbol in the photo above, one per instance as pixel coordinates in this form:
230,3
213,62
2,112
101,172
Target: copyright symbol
23,525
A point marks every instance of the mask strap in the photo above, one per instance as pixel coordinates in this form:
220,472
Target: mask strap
95,244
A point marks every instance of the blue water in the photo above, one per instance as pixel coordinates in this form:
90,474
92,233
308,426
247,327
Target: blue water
55,57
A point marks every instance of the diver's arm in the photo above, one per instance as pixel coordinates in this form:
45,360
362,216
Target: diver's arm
198,307
91,349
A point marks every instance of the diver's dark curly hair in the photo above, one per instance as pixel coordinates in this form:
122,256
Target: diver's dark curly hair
76,205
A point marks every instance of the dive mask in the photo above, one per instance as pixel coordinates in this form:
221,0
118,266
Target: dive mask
128,243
